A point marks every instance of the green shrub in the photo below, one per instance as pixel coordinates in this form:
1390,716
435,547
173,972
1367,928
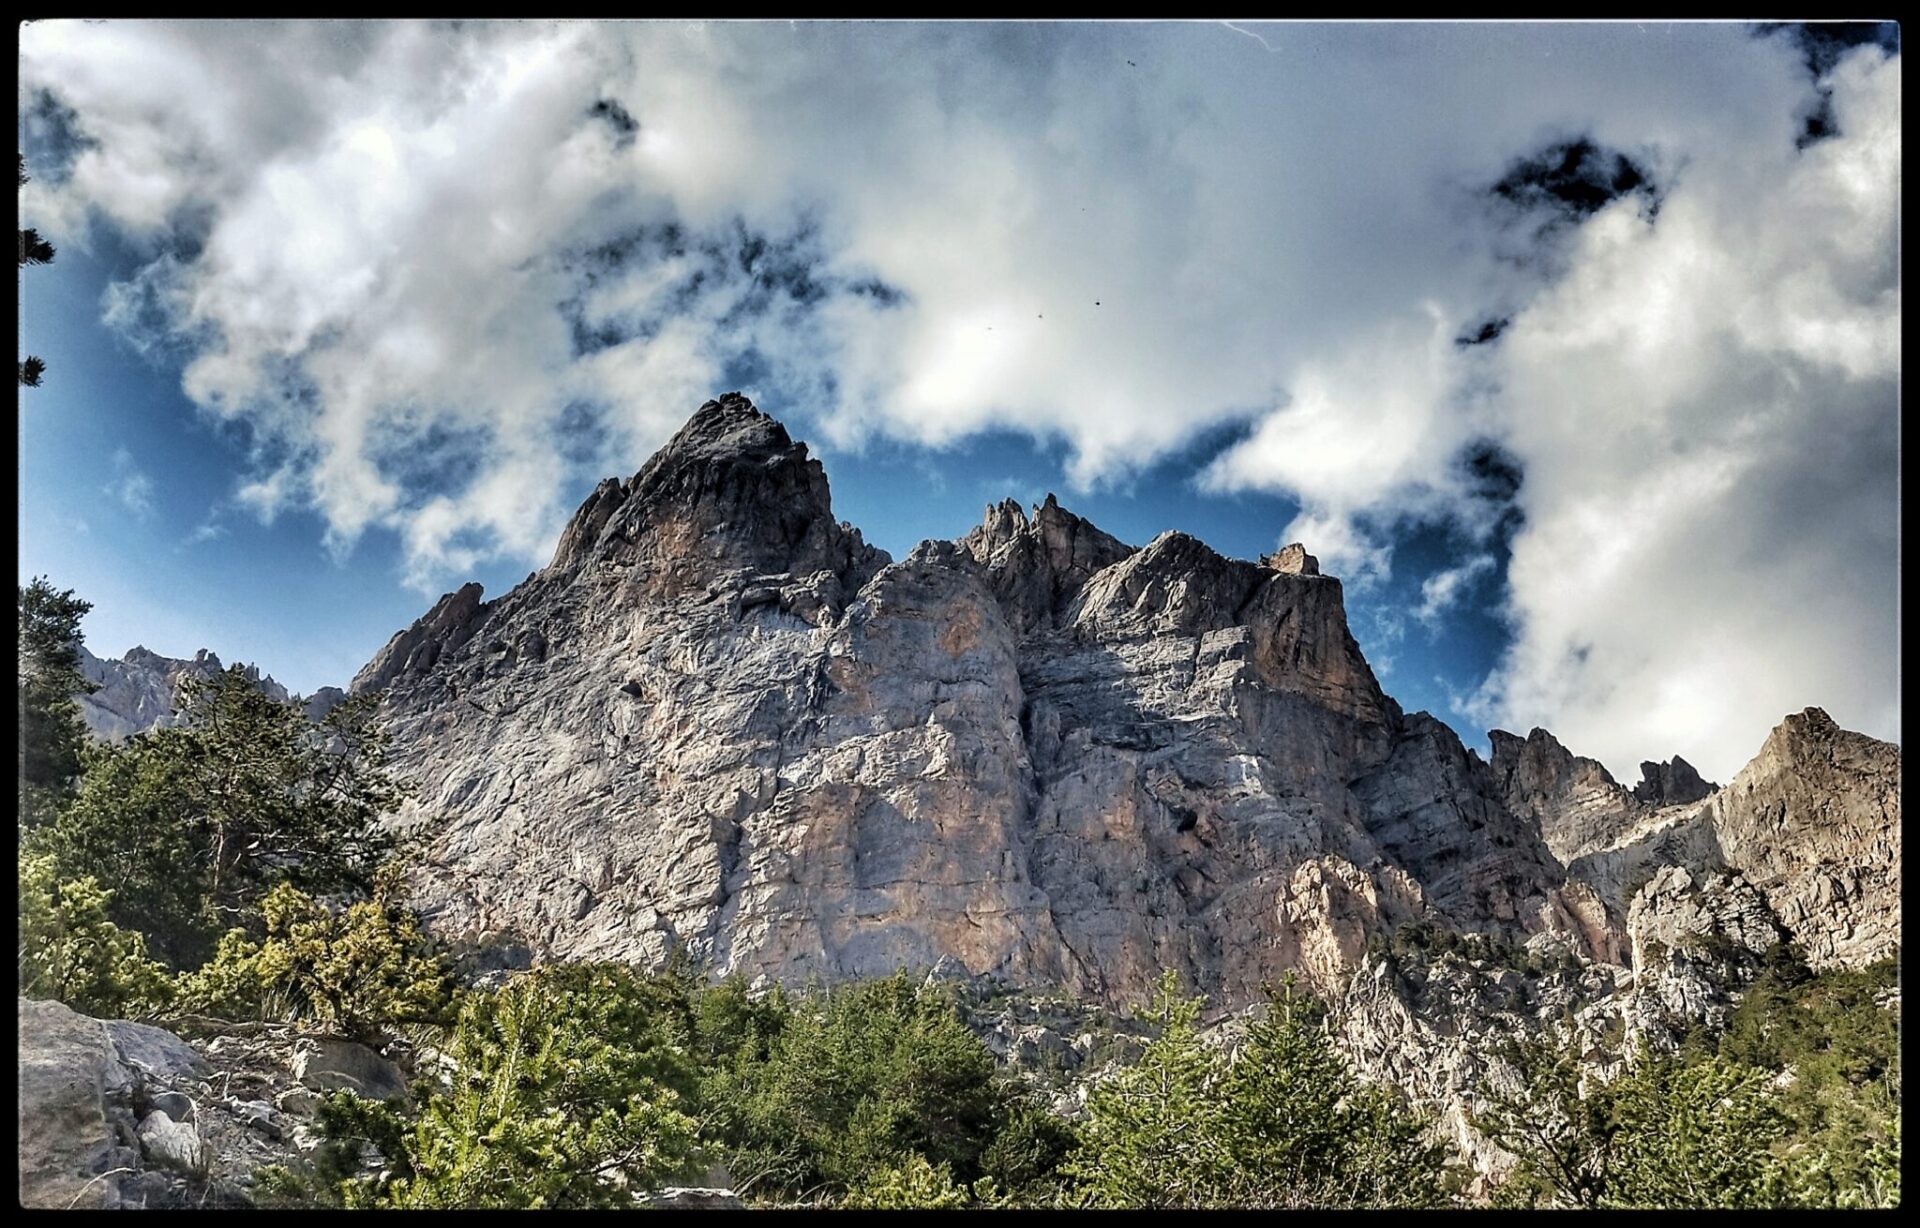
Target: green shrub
560,1097
1562,1131
1026,1153
916,1185
1282,1123
131,827
357,971
1695,1134
1843,1051
352,1131
190,827
840,1085
71,952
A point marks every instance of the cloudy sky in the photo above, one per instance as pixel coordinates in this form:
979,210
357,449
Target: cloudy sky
1573,349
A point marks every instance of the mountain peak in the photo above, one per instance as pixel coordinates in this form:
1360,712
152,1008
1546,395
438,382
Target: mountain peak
1035,566
1292,559
1672,783
718,723
414,650
728,425
730,491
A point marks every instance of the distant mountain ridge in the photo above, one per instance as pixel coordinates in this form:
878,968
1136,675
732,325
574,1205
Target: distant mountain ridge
137,692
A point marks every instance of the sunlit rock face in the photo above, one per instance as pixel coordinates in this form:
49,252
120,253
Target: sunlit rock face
718,720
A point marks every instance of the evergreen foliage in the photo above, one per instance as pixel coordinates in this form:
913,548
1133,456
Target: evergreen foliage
1839,1051
1795,1104
1695,1134
916,1185
852,1081
1282,1122
562,1096
1155,1133
1305,1132
33,250
1561,1130
71,952
52,734
192,826
358,971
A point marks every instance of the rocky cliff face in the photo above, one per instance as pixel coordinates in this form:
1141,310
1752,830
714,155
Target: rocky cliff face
137,691
719,720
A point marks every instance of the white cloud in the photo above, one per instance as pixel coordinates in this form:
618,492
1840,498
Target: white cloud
1707,412
1442,590
130,487
438,290
209,529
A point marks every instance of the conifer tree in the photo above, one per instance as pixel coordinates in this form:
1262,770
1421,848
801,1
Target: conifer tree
1154,1135
52,733
191,826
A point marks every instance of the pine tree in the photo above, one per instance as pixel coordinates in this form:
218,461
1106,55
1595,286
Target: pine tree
52,734
1304,1131
552,1103
1562,1128
1696,1134
190,827
1154,1135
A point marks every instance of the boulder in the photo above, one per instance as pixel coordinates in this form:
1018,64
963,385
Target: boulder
1293,560
78,1142
157,1054
177,1105
172,1144
331,1064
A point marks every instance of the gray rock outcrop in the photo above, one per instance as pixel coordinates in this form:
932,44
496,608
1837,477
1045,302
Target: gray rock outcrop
719,720
1672,783
1574,800
137,692
1294,560
116,1114
1813,823
122,1115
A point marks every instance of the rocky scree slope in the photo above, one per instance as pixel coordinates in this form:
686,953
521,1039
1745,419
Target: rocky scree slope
120,1115
719,720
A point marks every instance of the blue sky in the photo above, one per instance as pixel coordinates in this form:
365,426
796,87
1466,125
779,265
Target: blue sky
1572,349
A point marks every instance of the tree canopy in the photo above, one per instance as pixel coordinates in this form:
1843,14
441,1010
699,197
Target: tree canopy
191,826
